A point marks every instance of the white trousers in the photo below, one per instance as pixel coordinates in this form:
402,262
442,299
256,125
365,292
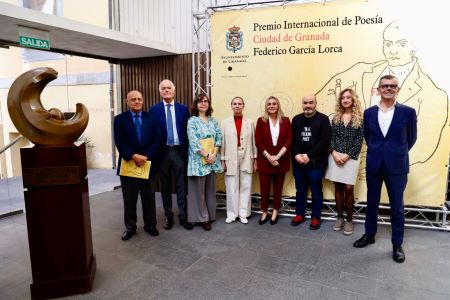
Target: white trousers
238,189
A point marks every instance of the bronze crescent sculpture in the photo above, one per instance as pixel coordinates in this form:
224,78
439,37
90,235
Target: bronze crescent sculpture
33,121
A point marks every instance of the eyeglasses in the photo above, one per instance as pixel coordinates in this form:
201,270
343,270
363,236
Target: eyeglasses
386,86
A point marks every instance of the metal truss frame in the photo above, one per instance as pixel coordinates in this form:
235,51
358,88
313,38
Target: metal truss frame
417,217
201,47
435,218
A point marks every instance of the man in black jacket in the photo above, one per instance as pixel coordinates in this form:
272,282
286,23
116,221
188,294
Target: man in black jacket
311,131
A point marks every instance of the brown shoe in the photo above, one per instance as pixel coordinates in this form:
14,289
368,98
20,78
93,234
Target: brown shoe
348,228
339,224
206,226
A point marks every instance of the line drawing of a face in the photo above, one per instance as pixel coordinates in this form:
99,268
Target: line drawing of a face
397,48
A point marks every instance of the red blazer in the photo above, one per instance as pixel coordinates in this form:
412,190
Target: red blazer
263,140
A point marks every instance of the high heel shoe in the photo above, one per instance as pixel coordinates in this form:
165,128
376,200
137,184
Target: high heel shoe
262,222
273,222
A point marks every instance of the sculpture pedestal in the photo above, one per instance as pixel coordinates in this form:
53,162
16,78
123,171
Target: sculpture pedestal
58,220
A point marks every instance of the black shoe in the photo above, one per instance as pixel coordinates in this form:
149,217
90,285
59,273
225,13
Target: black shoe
364,241
262,222
273,222
152,231
168,224
187,225
127,235
398,254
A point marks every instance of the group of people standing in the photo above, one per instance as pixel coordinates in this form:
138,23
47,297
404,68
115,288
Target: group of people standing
318,149
179,142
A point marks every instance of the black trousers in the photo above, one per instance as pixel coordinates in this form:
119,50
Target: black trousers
131,188
173,164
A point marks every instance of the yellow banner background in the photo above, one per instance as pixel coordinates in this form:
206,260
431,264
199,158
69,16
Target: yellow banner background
347,51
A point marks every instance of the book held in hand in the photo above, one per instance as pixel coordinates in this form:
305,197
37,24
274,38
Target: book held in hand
207,146
130,169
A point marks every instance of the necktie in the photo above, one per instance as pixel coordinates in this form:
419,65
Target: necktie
138,126
170,138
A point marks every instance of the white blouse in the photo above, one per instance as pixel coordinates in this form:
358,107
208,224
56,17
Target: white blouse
274,131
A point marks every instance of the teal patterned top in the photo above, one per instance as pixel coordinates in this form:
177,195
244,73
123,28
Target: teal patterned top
198,130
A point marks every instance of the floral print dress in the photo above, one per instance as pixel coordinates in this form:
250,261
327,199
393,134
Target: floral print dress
198,130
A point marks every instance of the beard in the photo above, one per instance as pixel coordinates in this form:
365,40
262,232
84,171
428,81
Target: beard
309,112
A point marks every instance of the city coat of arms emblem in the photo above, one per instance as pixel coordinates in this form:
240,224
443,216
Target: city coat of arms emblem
234,38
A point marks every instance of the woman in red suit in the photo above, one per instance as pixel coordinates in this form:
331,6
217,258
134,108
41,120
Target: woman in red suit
273,138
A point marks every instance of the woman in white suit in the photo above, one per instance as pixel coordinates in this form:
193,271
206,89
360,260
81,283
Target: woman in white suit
238,153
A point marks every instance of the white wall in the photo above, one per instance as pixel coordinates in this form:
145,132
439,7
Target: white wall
167,21
170,21
79,80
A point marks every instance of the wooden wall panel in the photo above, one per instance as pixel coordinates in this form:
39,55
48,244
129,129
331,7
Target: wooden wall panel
145,74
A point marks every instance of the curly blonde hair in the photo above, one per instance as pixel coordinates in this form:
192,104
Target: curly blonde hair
357,116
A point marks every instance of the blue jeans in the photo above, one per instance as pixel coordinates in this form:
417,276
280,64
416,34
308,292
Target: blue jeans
308,178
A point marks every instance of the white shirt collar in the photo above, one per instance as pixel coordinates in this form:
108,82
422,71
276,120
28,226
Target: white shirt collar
390,108
165,102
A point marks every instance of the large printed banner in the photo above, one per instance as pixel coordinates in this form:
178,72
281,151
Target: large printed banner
290,51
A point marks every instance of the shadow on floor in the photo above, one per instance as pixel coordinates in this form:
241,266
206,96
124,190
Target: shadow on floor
237,261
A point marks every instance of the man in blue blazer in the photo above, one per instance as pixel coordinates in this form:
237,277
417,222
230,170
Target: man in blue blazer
137,138
173,118
390,131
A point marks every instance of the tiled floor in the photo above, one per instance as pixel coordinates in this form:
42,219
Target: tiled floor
236,261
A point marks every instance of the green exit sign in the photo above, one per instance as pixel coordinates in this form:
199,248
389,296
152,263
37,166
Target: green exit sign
31,42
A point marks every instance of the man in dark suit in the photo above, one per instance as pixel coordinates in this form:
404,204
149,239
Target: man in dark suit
173,118
390,131
137,138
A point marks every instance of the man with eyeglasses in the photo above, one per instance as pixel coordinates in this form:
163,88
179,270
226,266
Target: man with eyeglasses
417,91
390,131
